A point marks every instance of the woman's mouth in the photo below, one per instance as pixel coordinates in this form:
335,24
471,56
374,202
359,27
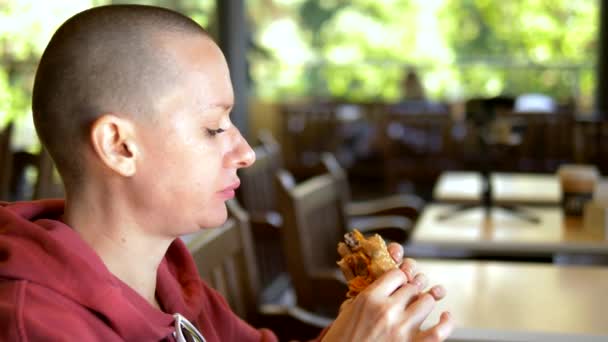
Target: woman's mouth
229,191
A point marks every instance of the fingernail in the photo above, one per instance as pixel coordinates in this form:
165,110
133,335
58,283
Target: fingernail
438,291
412,264
397,255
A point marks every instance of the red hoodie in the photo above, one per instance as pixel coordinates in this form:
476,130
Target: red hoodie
54,287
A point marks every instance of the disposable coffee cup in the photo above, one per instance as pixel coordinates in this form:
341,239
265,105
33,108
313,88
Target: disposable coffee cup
578,183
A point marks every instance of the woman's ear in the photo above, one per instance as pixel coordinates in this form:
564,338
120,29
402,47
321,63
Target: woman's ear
113,141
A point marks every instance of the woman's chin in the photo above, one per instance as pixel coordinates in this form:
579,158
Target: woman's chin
218,219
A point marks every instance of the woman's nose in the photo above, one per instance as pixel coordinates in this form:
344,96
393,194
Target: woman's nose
244,155
248,155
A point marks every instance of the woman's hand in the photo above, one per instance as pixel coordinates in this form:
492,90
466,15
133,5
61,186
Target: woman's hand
408,266
392,308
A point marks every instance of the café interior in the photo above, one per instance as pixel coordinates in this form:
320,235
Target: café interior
502,198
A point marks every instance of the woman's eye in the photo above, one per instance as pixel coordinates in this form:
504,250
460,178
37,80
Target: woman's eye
214,132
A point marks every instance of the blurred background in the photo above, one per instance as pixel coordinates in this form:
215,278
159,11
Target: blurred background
353,52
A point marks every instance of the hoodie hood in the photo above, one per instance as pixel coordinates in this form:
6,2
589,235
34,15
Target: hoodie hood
36,246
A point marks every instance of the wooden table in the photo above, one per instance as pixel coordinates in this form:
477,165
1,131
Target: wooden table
507,188
458,187
498,301
471,233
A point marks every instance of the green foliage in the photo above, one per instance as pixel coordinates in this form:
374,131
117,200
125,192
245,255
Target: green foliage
538,46
357,49
461,48
26,27
12,101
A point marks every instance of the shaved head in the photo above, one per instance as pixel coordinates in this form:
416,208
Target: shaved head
108,59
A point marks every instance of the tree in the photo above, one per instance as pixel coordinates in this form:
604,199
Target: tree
357,49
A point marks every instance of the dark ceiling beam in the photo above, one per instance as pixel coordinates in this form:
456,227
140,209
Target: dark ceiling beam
232,36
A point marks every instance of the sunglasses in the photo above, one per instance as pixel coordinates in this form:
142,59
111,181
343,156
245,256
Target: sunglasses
186,331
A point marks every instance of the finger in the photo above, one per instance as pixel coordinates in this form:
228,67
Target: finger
388,283
404,295
421,281
408,266
396,251
440,331
438,292
418,311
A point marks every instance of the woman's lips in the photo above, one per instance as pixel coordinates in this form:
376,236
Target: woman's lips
229,192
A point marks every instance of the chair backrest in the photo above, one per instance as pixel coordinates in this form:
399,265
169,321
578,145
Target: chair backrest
257,192
590,146
224,257
332,165
258,196
6,164
417,147
309,129
314,222
547,140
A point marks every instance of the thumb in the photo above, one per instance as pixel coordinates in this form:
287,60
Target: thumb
346,304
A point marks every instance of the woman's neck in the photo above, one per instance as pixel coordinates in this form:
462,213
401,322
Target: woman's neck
121,240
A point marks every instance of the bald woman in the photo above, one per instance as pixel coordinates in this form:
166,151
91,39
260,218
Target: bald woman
133,104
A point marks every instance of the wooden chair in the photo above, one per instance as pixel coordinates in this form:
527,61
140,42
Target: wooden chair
257,191
225,260
258,195
308,130
590,146
361,213
6,162
47,183
547,141
416,148
314,223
